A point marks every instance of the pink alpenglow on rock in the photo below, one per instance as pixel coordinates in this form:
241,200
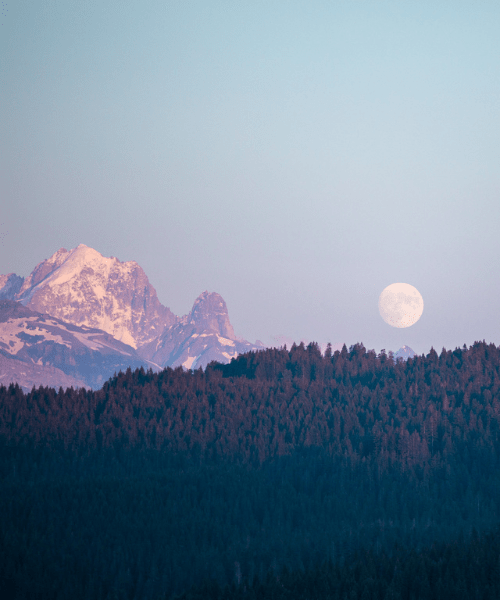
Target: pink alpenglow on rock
85,288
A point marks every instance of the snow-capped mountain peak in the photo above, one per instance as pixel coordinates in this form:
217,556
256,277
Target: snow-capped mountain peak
85,288
405,352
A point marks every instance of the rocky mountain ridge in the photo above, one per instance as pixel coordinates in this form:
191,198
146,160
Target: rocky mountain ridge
206,335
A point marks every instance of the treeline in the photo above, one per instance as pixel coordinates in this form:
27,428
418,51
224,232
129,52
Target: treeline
267,404
283,458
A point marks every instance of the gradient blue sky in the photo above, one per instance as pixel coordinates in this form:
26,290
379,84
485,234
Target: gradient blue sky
296,157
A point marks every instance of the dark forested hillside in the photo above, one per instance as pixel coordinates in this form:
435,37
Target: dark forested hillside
280,459
460,570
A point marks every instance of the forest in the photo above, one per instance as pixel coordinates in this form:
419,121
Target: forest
286,473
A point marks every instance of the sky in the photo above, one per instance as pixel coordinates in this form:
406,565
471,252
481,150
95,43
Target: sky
295,157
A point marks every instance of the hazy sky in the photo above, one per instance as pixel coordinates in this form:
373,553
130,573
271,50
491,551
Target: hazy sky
296,157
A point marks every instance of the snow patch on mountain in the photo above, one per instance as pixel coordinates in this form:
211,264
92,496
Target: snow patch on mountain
14,334
188,363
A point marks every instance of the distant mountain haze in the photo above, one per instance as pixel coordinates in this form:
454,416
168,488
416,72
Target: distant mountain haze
30,375
9,286
104,317
405,352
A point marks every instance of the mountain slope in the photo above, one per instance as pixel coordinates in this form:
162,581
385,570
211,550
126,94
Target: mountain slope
84,355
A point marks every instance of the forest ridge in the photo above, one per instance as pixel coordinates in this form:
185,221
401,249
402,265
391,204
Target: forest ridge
269,403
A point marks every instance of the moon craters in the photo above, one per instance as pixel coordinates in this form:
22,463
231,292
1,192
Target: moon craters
400,305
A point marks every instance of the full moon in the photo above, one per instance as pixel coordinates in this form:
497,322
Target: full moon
400,305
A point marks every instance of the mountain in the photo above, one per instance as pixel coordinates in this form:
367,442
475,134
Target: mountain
9,286
82,287
405,352
204,335
104,317
38,349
